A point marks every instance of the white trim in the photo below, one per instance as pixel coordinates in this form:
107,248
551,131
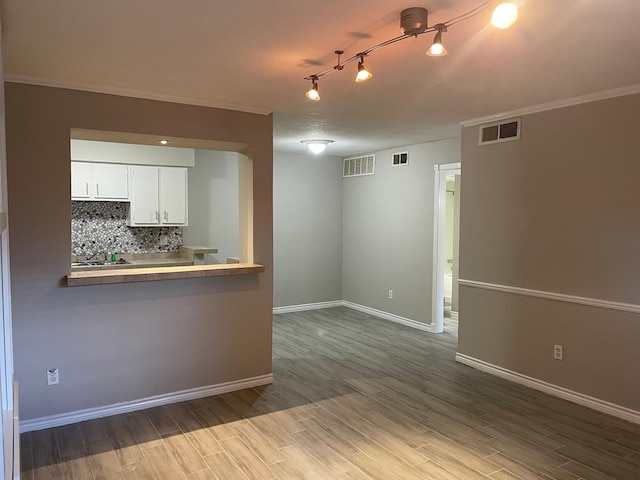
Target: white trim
453,315
307,306
124,92
126,407
390,316
439,248
354,306
447,166
561,297
560,392
543,107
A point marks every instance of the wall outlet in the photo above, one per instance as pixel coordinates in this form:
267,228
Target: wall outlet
390,293
557,352
164,240
52,376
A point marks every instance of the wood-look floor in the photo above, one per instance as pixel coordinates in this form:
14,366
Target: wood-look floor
354,398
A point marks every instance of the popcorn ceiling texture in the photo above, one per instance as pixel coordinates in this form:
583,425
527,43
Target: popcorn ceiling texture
100,227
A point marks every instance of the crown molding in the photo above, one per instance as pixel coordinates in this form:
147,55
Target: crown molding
543,107
124,92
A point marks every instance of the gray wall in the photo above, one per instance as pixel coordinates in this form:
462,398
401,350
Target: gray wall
123,342
307,229
556,211
213,204
388,231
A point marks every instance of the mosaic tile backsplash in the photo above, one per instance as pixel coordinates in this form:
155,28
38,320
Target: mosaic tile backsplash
101,227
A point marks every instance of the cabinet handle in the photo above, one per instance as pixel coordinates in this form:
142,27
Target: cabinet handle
157,216
87,188
166,216
97,189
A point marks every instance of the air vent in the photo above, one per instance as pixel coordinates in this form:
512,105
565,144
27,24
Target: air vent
358,166
500,132
400,159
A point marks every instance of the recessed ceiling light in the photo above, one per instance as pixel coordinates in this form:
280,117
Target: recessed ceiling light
164,142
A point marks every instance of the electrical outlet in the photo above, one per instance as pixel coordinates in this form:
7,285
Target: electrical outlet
164,240
53,377
390,293
557,352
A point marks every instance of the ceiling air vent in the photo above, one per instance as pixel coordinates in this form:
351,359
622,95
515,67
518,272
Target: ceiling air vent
400,159
358,166
500,132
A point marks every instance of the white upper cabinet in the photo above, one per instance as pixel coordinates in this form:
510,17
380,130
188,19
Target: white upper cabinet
173,196
111,181
143,209
98,181
158,196
81,179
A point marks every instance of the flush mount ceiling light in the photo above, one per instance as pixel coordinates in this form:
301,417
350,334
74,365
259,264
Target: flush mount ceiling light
163,142
316,145
413,22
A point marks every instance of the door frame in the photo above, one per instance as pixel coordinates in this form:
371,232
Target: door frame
439,216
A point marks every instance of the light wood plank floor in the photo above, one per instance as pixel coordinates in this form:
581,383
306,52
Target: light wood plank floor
354,398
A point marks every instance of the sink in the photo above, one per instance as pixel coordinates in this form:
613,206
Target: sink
96,263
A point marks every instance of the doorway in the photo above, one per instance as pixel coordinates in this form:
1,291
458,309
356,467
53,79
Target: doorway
445,245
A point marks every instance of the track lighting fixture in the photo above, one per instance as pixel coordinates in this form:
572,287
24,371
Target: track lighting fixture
413,22
316,145
363,74
313,94
437,48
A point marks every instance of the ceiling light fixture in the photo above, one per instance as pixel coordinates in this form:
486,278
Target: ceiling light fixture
163,142
313,94
363,74
316,145
413,22
437,48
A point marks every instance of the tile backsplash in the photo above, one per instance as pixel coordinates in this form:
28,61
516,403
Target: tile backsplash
100,227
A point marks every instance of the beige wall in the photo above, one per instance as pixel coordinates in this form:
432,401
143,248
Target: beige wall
117,343
388,231
307,229
556,211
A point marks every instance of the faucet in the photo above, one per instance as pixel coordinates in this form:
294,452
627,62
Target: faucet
95,255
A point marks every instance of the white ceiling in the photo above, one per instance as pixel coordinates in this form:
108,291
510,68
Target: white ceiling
253,55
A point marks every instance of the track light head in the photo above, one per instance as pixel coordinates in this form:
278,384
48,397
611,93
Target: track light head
313,94
363,74
504,15
437,48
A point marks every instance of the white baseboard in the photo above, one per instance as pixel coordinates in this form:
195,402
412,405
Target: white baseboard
307,306
560,392
126,407
427,327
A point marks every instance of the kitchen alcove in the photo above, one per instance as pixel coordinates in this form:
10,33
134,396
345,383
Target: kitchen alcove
217,206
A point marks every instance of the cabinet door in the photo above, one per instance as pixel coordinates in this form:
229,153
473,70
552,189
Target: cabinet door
173,196
111,181
144,196
81,180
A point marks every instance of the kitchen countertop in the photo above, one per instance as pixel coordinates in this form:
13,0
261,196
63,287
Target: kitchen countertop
105,275
148,267
185,256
